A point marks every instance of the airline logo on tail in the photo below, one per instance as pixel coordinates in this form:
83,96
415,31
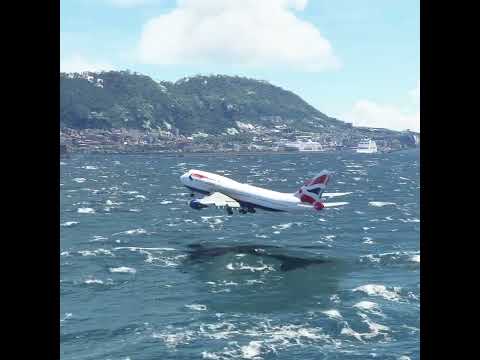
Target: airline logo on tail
311,192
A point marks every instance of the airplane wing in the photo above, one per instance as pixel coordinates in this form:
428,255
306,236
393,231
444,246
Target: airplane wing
334,204
219,200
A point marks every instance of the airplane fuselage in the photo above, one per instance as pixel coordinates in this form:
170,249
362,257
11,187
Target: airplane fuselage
248,196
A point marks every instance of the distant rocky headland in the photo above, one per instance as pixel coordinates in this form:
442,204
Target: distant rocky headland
125,112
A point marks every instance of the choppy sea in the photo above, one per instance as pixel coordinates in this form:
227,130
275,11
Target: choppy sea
144,276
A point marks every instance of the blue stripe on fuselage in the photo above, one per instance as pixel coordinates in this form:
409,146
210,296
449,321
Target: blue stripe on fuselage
247,204
198,190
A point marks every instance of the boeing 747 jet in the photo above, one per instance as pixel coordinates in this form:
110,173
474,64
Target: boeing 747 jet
226,193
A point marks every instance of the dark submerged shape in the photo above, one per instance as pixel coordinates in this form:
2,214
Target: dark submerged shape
200,252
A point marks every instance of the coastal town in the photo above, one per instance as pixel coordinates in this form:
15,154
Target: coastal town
248,140
124,112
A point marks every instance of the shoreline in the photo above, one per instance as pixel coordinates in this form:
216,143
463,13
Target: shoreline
254,153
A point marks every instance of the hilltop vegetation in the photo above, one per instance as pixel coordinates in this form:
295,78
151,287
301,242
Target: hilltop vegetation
207,104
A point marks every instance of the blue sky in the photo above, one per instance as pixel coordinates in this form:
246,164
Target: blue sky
355,60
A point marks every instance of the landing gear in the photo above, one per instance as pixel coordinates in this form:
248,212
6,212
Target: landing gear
245,210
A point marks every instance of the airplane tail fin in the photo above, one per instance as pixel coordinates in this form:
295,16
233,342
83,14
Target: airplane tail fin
311,192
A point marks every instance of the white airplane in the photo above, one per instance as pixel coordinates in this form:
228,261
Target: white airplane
230,194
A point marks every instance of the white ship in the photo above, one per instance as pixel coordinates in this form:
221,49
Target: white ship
305,146
367,146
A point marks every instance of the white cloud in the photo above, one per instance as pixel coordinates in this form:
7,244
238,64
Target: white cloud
245,32
372,114
77,63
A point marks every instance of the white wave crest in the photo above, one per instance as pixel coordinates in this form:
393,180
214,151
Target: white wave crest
67,316
86,211
212,356
380,203
391,257
375,330
285,226
254,281
366,305
370,307
98,238
123,269
379,290
87,253
173,340
138,231
265,338
135,248
252,350
242,266
368,240
95,252
93,281
410,220
69,223
333,314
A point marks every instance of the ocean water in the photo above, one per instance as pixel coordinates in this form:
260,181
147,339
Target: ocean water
144,276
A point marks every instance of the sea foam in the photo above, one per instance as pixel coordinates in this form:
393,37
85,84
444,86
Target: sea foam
379,290
123,269
86,211
380,203
69,223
